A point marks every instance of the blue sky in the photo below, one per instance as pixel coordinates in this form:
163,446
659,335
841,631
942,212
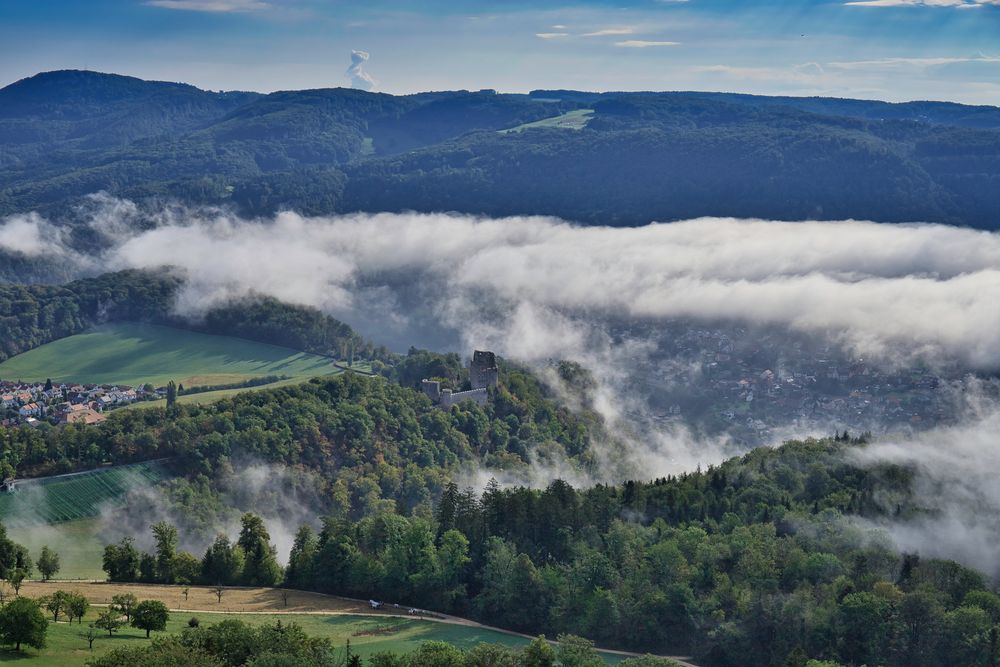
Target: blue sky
885,49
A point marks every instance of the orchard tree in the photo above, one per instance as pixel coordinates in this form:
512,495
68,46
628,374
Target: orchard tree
90,634
124,604
17,578
150,615
77,605
22,622
109,620
56,604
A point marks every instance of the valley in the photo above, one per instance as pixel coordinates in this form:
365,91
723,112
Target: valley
657,334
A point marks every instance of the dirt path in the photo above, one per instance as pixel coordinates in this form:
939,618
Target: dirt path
260,602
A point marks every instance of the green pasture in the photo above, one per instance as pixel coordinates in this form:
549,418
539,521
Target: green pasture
78,544
134,354
367,635
573,120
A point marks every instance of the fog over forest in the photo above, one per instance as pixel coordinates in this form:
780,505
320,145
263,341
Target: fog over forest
537,289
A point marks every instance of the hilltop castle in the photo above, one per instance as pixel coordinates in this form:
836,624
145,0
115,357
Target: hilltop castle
483,374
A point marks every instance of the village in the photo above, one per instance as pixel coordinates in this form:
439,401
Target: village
751,384
34,403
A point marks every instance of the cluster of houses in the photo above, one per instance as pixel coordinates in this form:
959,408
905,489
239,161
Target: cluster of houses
33,403
748,383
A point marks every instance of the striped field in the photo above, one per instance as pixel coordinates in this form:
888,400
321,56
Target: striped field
76,496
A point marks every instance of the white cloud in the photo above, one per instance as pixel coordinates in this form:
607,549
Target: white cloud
956,469
892,63
893,290
219,6
359,77
604,32
643,44
956,4
551,35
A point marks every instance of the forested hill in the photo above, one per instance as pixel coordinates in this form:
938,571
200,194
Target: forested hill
32,315
616,158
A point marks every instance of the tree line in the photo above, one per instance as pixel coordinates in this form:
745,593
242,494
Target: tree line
32,315
755,562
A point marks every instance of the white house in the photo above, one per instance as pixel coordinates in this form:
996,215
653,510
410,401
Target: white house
30,410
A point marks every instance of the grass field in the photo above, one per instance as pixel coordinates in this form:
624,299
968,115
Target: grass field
573,120
134,354
77,496
319,615
60,512
367,634
78,544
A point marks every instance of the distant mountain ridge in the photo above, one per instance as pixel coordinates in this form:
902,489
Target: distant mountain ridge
639,157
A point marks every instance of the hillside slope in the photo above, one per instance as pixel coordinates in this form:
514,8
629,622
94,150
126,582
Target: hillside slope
134,354
638,157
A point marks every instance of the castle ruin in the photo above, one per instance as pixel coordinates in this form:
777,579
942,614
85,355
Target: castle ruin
483,375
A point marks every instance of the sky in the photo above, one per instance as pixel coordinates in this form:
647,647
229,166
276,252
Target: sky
874,49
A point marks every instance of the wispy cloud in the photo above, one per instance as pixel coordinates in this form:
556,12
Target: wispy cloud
218,6
644,44
551,35
604,32
955,4
883,63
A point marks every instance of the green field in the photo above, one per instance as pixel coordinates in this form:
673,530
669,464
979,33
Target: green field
573,120
366,634
134,354
78,544
78,496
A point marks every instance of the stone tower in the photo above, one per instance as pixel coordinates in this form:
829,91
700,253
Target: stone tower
483,371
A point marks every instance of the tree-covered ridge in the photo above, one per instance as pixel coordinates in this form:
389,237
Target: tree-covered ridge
640,157
753,562
370,439
32,315
756,562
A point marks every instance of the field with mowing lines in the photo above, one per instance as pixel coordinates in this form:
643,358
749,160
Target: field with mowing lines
77,496
573,120
134,354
